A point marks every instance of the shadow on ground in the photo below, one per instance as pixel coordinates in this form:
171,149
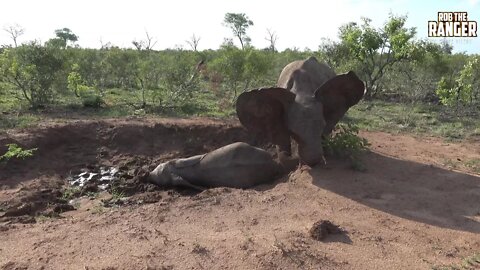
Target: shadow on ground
407,189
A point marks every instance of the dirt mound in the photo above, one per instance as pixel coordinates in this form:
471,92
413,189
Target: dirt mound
131,147
321,229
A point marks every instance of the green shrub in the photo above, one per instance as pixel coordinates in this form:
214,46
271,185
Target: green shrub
345,142
32,69
91,99
15,151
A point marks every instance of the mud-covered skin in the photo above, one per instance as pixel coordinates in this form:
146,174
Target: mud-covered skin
236,165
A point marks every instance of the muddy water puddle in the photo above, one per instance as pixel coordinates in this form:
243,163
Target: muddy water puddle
101,177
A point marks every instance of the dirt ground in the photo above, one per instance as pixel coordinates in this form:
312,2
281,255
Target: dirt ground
406,211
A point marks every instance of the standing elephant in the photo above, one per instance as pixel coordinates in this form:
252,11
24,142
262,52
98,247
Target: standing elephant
237,165
307,104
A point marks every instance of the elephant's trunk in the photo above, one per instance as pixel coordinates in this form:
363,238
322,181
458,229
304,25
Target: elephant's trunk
311,156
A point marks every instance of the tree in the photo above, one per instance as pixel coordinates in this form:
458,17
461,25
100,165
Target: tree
56,43
147,44
446,46
179,86
336,54
464,90
15,31
240,69
105,45
31,69
75,81
238,23
272,39
66,35
378,49
193,42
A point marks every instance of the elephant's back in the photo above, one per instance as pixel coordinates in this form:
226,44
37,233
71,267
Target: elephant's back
237,165
320,72
317,72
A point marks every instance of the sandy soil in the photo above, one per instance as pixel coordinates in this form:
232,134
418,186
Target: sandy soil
407,211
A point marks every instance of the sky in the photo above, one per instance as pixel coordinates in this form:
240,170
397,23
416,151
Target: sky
298,24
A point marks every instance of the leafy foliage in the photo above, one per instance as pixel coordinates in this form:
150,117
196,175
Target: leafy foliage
377,49
239,23
65,35
15,151
464,90
241,69
32,69
89,97
395,66
345,141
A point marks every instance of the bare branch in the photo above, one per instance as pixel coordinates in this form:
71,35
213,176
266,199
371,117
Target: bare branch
15,31
272,39
106,45
150,43
146,44
193,42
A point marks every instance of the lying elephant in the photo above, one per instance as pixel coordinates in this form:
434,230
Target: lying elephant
236,165
307,104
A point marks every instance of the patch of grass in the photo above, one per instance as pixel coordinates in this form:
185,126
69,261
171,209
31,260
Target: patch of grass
418,118
468,263
92,195
116,194
45,217
98,209
71,192
432,120
18,120
450,163
118,103
473,164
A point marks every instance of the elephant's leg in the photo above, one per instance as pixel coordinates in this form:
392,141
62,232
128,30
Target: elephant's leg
179,181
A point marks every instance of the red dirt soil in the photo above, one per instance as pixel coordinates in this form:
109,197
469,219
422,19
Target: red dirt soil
407,211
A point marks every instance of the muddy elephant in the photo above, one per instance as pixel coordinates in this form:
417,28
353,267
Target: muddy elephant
307,103
236,165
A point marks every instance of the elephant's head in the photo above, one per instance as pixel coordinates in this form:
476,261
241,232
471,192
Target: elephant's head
279,114
161,175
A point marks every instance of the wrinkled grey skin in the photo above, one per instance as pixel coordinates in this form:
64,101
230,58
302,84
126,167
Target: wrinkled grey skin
236,165
307,103
314,75
305,117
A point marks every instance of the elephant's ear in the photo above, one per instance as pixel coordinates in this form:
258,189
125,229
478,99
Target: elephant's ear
264,112
337,95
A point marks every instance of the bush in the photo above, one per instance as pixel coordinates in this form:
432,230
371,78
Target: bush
91,99
345,142
15,151
32,69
